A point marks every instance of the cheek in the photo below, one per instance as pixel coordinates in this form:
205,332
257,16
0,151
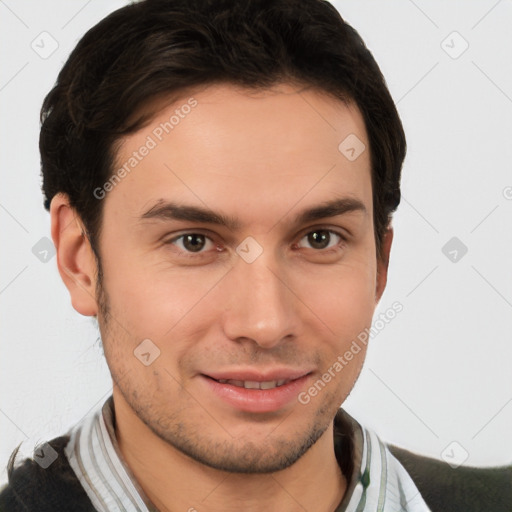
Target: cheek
347,310
343,298
156,301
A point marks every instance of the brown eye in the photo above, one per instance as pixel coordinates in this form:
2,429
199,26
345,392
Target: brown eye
321,239
192,243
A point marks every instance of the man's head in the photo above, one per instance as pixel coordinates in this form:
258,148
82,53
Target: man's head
222,177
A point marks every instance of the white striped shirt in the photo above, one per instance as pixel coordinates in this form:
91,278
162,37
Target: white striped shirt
379,482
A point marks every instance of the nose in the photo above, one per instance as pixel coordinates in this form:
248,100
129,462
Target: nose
261,304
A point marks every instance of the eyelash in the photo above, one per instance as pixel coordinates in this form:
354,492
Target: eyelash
189,254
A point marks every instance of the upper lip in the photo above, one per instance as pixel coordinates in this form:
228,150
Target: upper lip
253,375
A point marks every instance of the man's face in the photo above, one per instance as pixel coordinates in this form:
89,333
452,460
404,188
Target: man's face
273,297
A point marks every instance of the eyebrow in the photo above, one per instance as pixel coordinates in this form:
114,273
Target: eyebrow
165,210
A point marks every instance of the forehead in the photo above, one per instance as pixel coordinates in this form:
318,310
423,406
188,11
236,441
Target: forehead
257,152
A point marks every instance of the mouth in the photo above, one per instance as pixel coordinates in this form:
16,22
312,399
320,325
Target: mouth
254,384
252,392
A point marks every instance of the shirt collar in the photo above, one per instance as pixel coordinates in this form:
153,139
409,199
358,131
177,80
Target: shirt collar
376,481
95,457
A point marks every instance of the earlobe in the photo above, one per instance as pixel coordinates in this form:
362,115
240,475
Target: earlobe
383,263
75,258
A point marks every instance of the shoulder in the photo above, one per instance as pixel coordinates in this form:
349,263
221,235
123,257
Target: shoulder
465,488
40,487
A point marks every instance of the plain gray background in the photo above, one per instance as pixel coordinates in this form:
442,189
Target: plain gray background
438,377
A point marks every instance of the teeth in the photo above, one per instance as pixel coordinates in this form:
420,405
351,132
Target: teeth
251,384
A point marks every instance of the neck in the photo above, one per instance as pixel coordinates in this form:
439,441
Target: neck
175,482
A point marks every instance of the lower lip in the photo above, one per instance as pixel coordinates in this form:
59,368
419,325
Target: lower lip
257,400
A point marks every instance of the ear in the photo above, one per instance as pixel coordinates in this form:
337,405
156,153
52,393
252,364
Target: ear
383,263
75,258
